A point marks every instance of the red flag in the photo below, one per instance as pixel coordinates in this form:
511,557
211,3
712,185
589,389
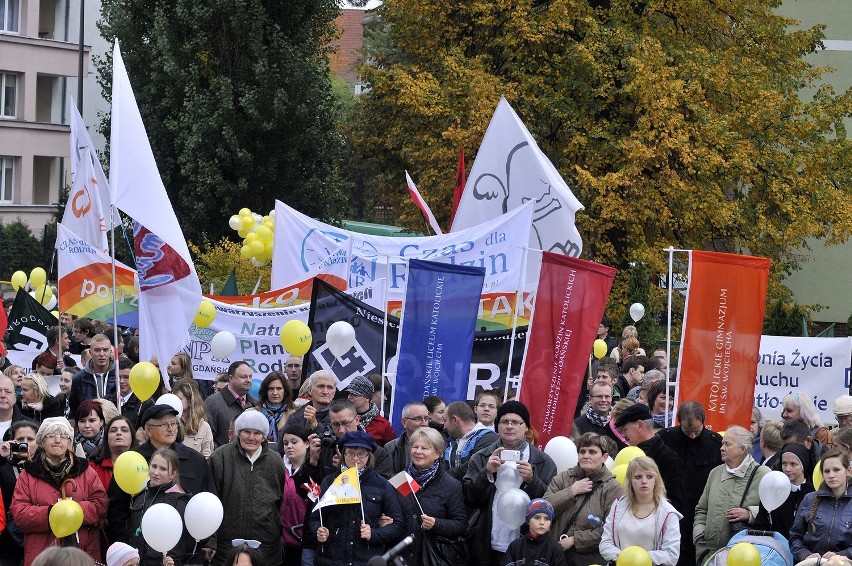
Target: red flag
418,201
460,183
721,335
572,294
4,324
405,484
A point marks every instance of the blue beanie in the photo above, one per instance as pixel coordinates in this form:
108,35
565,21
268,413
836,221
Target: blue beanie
537,506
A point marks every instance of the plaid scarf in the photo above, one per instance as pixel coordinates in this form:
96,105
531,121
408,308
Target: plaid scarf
371,413
595,418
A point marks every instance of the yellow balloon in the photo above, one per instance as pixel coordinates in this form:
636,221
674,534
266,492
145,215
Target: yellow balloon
256,248
600,348
250,237
626,455
296,337
65,518
144,380
43,293
817,476
205,315
242,233
264,234
19,279
620,472
245,252
245,212
744,554
247,221
38,277
130,471
55,313
636,556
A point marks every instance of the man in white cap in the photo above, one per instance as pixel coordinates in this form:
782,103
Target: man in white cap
843,410
249,478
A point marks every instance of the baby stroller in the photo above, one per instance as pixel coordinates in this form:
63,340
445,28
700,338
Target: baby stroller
774,549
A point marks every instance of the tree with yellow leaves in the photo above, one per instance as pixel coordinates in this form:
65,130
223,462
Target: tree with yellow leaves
676,122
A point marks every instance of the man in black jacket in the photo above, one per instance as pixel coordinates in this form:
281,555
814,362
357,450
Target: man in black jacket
698,447
637,427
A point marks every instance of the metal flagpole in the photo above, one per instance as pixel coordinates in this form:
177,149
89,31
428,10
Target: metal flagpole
112,212
384,371
520,291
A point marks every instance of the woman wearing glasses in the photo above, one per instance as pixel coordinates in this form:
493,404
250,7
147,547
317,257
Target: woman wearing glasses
350,533
162,487
42,483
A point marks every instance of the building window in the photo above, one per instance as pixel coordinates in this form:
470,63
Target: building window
8,89
9,15
7,178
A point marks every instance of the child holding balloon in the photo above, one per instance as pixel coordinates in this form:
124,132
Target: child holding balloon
152,536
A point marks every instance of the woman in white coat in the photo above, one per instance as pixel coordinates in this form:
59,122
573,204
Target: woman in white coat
643,517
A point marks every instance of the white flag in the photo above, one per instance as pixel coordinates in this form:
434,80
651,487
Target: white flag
510,170
82,150
169,288
83,213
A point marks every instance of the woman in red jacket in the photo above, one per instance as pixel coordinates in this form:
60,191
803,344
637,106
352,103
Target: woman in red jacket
40,486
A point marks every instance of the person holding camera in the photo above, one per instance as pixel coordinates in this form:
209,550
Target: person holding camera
13,454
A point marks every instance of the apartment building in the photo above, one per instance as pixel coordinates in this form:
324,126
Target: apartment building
35,61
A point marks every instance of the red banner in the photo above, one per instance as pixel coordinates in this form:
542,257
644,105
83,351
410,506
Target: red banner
572,295
721,335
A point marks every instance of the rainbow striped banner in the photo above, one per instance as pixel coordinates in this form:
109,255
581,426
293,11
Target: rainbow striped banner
85,282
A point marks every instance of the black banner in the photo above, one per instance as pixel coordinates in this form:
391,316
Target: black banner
28,324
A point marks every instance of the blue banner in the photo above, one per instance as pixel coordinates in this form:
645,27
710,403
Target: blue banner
438,325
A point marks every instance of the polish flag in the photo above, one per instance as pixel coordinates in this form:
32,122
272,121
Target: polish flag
313,490
405,484
417,198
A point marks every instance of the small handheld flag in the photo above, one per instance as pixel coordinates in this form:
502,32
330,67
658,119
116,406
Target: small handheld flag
343,490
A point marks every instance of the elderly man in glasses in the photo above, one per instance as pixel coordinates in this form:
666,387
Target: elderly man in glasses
536,469
414,415
162,424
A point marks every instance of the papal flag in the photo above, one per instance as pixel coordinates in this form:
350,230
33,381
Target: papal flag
345,489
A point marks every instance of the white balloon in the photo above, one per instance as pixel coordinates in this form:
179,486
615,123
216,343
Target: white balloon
235,223
508,477
173,401
203,515
610,463
511,505
637,311
51,303
162,527
340,338
223,345
774,489
563,452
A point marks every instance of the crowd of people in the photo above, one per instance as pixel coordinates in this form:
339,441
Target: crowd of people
270,458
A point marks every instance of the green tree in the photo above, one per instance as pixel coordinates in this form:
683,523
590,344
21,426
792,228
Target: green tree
676,123
237,103
20,250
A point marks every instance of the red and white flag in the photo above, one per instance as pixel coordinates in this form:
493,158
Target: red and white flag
169,289
417,198
83,213
82,154
405,484
313,490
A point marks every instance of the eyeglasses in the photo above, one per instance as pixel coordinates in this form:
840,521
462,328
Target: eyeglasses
486,406
342,424
418,419
59,435
358,454
172,424
516,424
251,543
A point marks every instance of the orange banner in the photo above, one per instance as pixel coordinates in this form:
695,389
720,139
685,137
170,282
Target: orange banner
721,335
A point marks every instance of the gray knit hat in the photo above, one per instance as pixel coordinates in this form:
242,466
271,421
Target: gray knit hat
361,387
253,420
